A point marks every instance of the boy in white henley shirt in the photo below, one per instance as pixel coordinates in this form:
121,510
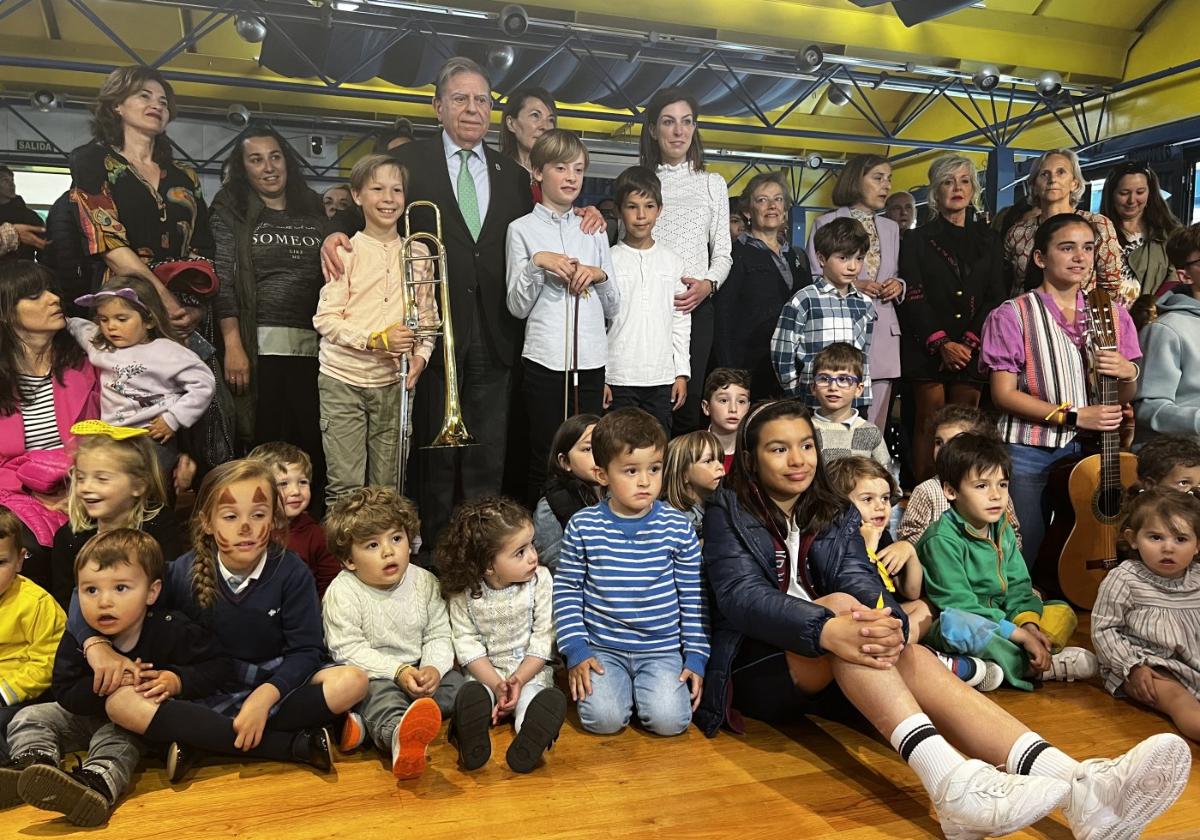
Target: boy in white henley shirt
649,357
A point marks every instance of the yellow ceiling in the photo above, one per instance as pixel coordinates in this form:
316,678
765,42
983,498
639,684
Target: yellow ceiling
1088,42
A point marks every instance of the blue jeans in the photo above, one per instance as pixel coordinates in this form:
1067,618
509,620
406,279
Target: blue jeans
1030,472
649,681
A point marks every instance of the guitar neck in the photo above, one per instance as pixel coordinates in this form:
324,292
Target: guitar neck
1110,442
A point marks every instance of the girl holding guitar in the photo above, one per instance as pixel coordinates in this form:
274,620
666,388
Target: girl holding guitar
1035,348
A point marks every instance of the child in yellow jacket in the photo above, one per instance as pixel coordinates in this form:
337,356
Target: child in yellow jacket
31,623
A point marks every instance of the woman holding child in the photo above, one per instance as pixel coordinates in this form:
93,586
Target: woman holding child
803,625
953,265
694,224
861,190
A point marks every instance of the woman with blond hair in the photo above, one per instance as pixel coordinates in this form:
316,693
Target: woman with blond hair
954,267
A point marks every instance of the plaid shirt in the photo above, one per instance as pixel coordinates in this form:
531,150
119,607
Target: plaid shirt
814,318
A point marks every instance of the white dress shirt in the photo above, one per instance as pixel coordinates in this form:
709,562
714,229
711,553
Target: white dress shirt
477,165
542,298
241,582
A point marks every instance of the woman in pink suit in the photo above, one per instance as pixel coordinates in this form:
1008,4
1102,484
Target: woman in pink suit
860,192
46,386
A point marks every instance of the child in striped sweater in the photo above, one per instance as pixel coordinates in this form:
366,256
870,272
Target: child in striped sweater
636,633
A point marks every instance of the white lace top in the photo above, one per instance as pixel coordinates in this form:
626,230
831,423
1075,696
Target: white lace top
695,220
506,625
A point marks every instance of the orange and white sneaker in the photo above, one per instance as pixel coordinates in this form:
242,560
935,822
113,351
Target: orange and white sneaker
411,738
354,732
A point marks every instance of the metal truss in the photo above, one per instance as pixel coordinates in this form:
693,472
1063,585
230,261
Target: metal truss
443,27
1080,112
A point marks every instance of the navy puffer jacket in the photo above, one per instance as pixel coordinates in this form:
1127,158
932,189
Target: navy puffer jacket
739,563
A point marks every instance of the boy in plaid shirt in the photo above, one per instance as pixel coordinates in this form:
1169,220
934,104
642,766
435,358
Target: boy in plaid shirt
830,310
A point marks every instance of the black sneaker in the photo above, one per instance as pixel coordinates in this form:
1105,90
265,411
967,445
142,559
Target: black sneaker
543,720
314,747
472,719
180,760
82,796
11,772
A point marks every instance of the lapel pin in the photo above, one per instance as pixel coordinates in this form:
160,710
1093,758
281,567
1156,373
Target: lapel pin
497,166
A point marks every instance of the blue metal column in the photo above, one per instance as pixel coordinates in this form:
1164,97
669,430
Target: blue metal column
998,182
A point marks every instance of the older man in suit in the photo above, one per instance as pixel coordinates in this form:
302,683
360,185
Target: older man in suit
479,192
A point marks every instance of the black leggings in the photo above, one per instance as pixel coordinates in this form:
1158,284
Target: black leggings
210,731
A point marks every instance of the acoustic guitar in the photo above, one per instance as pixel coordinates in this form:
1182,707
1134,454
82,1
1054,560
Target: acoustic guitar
1095,486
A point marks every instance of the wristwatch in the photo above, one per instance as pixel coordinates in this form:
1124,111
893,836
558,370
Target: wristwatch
1070,418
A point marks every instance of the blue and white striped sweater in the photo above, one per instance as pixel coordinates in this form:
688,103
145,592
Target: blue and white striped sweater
631,585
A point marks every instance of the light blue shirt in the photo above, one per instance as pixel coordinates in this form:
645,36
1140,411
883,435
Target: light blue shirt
477,165
542,298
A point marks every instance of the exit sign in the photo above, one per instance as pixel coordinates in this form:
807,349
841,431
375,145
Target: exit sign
35,146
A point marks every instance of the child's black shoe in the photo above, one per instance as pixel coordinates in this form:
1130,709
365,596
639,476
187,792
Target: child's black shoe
469,729
180,760
543,720
10,772
82,796
315,748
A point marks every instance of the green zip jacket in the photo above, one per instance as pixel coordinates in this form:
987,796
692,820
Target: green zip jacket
980,575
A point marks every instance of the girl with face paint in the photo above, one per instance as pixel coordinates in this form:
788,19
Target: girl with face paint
260,602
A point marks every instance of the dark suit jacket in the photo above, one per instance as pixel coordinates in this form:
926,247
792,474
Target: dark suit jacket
476,268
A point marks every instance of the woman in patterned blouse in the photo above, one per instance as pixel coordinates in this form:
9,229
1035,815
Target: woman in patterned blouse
1055,186
137,204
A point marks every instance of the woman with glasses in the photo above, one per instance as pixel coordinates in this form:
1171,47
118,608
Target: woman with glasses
953,265
1133,201
766,272
1055,186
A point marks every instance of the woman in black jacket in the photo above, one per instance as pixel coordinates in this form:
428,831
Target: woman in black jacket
954,266
766,272
801,623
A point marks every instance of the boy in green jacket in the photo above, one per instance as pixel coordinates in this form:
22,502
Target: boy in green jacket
976,577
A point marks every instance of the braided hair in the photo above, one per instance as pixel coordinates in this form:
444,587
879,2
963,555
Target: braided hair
204,563
470,543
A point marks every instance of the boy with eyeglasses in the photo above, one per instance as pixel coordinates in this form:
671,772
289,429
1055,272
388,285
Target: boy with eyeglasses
832,309
841,430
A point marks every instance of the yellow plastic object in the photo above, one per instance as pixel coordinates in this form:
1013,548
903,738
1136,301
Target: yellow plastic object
99,427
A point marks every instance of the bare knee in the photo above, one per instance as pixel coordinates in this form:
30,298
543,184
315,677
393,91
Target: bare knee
839,602
344,686
920,617
128,709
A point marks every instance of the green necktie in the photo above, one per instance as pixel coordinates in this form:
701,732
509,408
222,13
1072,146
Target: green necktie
468,202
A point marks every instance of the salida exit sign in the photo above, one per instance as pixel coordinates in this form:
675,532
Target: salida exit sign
35,146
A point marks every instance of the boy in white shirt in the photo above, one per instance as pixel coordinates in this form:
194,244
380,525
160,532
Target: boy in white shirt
649,359
561,281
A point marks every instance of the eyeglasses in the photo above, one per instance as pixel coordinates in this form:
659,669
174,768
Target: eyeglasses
842,380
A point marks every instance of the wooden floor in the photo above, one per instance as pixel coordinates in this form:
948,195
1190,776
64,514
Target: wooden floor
814,780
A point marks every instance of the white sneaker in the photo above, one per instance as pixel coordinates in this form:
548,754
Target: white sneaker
992,678
951,661
1114,799
977,800
1070,664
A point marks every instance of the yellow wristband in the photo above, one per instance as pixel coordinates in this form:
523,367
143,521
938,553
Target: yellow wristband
1061,407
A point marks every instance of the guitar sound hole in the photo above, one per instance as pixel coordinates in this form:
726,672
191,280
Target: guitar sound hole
1108,502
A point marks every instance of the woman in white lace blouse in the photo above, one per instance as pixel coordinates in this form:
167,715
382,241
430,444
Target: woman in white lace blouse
694,224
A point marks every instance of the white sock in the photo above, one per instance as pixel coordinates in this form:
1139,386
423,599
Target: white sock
929,754
1032,755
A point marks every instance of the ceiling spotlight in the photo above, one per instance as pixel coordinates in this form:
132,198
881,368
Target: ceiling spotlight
237,115
986,78
809,58
881,80
814,161
500,57
44,100
514,20
838,95
1049,84
250,28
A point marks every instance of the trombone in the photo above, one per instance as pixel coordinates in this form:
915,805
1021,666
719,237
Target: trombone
453,433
